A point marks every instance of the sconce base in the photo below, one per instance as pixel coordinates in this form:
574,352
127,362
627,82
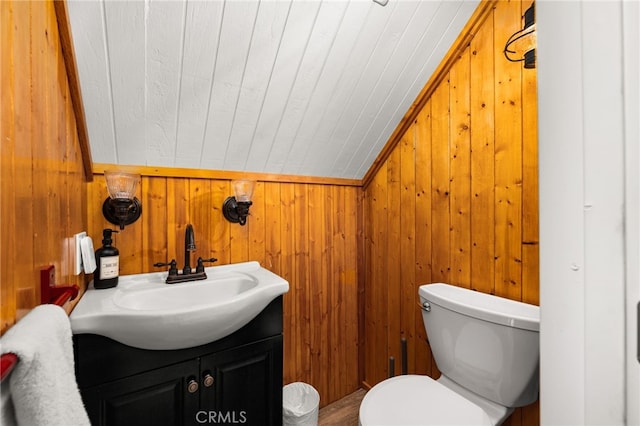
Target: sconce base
121,212
235,212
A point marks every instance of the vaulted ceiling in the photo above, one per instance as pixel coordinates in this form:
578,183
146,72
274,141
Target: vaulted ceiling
301,87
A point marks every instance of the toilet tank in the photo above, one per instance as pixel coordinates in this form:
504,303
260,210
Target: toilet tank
486,344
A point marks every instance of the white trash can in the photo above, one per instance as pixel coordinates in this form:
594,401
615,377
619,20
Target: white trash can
300,403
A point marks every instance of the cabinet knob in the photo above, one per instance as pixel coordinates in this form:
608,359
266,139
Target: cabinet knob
207,380
192,385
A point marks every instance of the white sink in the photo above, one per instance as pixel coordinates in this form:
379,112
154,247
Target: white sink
144,312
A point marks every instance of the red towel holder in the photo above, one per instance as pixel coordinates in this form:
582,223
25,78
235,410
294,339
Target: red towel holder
48,295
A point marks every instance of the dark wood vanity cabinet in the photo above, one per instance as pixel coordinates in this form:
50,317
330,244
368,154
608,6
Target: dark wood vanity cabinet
157,397
236,380
243,386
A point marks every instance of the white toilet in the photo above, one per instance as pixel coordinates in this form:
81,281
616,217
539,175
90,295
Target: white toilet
487,349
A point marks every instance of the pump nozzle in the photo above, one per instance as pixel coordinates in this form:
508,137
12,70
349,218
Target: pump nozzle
106,236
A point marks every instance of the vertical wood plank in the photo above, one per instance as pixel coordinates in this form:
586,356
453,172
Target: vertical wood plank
368,311
77,205
409,301
376,358
423,229
302,279
530,201
273,233
327,281
338,357
508,159
350,307
363,266
154,221
54,183
220,232
178,216
40,136
96,194
288,272
440,200
317,281
129,244
393,260
200,218
482,160
256,225
21,147
530,228
460,179
10,36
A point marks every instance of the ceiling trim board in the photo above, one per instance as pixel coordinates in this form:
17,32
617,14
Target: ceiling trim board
175,172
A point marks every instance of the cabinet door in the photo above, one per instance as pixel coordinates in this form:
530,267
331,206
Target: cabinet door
157,397
247,384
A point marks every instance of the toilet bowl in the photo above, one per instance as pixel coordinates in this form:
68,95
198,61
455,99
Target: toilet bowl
418,400
487,349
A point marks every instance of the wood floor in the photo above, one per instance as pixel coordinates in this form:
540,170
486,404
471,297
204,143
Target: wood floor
343,412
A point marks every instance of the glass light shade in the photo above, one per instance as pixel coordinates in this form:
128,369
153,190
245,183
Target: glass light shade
121,185
521,46
529,40
243,190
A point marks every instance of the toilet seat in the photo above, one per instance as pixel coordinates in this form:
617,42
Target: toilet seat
418,400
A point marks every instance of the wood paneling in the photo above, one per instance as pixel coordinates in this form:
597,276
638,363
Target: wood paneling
460,184
42,175
307,233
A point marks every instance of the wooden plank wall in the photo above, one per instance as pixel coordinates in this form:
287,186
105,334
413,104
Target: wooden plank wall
42,181
307,233
456,200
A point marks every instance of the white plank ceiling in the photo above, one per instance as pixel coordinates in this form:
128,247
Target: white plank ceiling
297,87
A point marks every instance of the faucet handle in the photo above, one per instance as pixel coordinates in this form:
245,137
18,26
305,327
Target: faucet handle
200,266
173,266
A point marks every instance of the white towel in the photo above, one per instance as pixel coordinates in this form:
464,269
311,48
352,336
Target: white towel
43,385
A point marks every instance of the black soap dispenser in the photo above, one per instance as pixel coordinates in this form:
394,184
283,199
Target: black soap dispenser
107,263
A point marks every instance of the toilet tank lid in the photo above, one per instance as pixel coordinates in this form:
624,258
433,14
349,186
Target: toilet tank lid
482,305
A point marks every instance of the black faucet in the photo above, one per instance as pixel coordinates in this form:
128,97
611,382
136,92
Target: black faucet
187,273
189,246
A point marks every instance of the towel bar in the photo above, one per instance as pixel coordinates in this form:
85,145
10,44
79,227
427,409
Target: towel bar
55,295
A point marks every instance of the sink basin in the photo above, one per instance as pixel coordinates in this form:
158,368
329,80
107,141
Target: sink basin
145,312
174,298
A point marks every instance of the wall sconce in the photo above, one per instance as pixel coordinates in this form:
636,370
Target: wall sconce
121,207
236,209
527,40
